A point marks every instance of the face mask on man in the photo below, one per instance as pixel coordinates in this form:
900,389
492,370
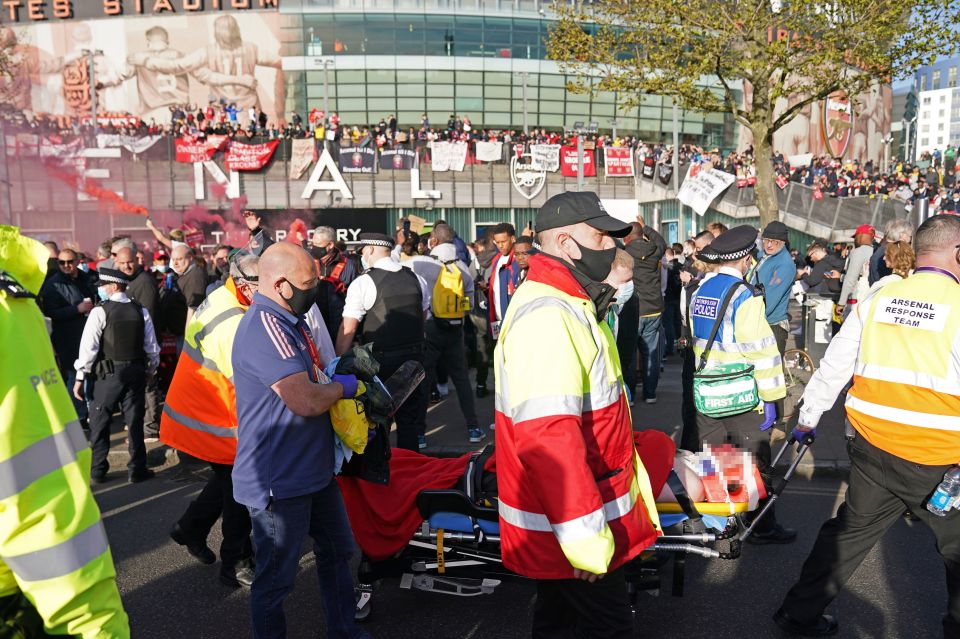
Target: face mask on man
160,268
302,298
624,293
102,294
593,263
319,252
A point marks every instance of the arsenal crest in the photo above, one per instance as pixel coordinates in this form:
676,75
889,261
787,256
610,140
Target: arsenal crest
526,180
836,123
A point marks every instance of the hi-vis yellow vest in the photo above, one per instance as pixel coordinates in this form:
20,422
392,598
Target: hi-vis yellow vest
52,544
905,397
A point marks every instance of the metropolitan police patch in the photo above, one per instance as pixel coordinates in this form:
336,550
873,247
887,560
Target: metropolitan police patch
706,307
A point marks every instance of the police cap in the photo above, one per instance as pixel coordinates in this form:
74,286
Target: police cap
731,245
111,276
375,239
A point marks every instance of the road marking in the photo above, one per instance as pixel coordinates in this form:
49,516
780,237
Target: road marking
125,508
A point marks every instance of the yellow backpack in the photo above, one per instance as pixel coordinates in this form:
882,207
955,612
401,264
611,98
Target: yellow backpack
449,302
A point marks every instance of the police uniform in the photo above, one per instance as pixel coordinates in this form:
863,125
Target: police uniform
118,348
744,336
52,543
391,302
899,345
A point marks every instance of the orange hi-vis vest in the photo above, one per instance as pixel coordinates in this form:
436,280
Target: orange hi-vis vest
200,413
905,397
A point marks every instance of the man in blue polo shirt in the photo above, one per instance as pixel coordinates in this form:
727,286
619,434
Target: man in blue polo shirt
284,466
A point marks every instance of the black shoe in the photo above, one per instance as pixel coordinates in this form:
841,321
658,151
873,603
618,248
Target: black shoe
482,391
825,626
141,475
99,478
198,549
777,535
239,576
435,397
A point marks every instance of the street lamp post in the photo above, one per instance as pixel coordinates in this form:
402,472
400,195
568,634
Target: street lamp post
887,141
91,55
326,87
908,124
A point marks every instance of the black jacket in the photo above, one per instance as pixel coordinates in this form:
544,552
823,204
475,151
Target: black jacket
143,290
58,299
821,285
646,251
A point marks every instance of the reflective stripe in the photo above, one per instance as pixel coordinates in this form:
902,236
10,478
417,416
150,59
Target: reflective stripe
216,321
737,347
743,386
766,362
198,357
41,458
904,376
588,525
553,405
770,383
62,559
902,416
227,432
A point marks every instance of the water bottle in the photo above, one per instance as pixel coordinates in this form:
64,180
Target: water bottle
947,493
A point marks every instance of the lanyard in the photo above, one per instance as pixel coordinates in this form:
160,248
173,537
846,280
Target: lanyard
314,355
938,271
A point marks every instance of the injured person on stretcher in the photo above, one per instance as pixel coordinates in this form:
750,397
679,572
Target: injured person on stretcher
435,526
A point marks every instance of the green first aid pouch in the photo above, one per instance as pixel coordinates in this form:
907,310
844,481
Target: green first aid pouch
723,390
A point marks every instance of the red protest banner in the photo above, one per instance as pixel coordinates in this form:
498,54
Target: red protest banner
568,162
618,161
190,149
249,157
782,181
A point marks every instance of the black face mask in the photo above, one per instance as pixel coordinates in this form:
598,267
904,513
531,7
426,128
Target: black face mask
302,298
595,264
318,252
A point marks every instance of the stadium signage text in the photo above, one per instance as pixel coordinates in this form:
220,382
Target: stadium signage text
42,10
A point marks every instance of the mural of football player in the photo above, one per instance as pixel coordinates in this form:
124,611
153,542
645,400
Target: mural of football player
27,64
226,66
158,91
872,123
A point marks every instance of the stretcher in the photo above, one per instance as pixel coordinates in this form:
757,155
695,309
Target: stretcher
436,526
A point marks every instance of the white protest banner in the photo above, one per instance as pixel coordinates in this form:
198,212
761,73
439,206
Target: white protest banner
545,157
135,145
618,162
489,151
449,156
700,191
800,161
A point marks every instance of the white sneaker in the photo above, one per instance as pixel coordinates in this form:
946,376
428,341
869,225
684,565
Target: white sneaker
493,426
651,400
443,389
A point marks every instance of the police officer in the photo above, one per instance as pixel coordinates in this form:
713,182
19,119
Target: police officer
391,302
900,347
743,336
119,348
52,541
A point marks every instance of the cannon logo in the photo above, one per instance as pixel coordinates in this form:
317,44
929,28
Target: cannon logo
526,180
836,123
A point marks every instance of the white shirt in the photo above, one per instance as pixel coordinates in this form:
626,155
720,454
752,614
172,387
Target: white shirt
321,337
93,332
362,292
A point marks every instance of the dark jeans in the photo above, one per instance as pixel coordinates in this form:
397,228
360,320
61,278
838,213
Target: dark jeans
214,500
70,378
880,485
445,345
671,323
744,431
648,335
411,417
152,407
572,609
483,355
278,534
123,388
627,343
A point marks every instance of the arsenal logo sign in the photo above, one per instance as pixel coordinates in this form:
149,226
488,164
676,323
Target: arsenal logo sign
527,180
836,123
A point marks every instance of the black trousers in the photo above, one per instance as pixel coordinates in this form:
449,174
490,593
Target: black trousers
216,500
153,407
445,346
411,418
575,609
880,485
689,435
627,343
123,388
744,431
483,354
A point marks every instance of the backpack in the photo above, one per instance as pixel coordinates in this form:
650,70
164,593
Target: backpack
449,302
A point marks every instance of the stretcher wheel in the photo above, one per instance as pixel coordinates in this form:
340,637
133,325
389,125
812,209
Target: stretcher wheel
798,368
364,595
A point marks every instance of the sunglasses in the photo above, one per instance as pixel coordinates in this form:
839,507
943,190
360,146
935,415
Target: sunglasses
65,262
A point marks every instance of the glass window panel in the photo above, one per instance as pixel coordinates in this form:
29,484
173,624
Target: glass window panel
381,75
468,104
410,75
493,77
605,110
649,112
409,34
346,75
411,90
381,90
439,76
353,117
408,119
531,106
351,90
532,92
469,77
550,121
441,104
651,100
552,94
578,97
439,90
649,125
694,128
497,92
496,105
379,36
578,108
469,91
351,104
438,117
350,34
410,104
551,107
316,90
551,80
496,119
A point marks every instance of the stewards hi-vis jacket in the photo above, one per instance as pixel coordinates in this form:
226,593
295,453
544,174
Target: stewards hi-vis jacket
573,492
902,347
53,547
744,335
200,413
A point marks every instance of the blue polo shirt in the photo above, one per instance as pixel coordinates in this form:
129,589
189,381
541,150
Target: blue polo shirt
776,273
279,454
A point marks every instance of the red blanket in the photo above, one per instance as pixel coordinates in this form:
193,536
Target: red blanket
384,518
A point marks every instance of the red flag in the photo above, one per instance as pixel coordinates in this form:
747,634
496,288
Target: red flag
568,162
249,157
190,149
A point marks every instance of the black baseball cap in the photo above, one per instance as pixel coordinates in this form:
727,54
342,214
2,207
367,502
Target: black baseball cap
566,209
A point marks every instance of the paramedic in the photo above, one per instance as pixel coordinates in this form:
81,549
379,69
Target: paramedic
900,347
